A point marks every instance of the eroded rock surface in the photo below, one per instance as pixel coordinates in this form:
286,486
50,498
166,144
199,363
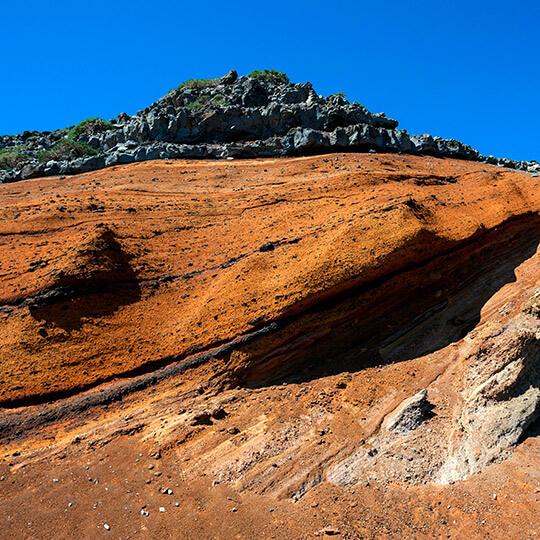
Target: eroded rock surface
346,342
501,396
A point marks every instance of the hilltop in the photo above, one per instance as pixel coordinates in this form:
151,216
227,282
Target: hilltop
258,115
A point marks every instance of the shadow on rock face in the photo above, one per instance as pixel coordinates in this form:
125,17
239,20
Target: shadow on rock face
533,430
94,279
417,312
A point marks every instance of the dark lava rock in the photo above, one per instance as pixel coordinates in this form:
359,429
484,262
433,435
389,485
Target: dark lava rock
229,78
201,418
236,117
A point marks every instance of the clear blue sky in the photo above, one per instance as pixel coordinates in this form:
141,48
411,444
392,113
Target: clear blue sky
464,70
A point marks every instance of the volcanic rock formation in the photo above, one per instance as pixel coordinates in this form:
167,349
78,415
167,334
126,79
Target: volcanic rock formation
229,117
344,344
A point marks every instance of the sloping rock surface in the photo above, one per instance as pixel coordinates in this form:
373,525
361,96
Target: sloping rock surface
342,344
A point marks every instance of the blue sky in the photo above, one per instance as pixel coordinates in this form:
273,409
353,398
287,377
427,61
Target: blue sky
463,70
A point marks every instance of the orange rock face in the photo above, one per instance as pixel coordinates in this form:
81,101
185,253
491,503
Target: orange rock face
260,325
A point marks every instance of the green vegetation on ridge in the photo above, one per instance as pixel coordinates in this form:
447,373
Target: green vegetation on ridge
269,74
199,83
10,158
90,126
66,149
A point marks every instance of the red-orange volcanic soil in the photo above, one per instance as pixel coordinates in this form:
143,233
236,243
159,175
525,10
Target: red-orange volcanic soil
246,334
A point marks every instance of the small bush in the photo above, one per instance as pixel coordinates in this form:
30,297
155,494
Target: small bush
194,106
269,74
199,103
220,100
66,149
90,126
199,83
11,158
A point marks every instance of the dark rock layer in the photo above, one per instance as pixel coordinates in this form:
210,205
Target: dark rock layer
235,117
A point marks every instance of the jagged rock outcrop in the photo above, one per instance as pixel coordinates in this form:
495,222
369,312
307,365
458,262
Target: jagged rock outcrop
501,395
236,117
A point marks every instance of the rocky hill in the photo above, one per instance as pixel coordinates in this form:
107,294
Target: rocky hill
259,115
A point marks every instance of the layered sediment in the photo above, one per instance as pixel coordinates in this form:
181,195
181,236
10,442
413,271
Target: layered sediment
313,338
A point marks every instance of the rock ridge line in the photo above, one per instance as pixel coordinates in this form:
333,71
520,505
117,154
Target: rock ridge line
231,117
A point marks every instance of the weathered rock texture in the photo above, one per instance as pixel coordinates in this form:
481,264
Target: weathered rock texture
410,414
346,341
501,395
238,117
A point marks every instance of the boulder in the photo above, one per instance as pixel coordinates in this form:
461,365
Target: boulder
229,78
410,414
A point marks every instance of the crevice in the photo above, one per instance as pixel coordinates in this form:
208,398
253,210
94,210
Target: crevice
381,321
328,341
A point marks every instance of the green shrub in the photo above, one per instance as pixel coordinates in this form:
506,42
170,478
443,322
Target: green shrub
66,149
196,105
270,74
11,158
199,83
199,103
220,100
90,126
